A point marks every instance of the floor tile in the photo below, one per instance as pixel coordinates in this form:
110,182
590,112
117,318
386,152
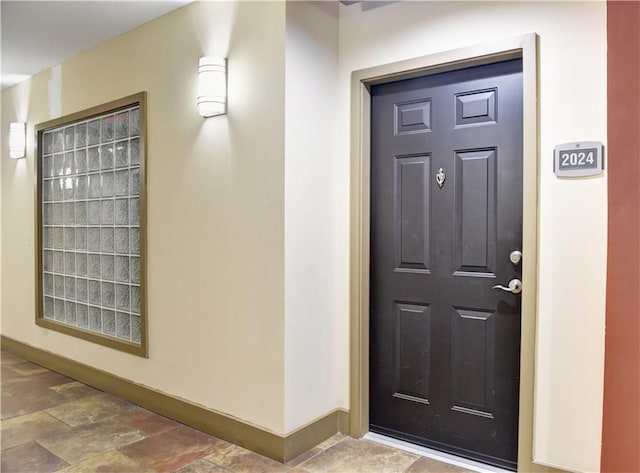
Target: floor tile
26,384
304,456
429,465
145,421
173,449
7,358
75,390
83,442
7,373
90,410
331,441
27,368
29,427
110,462
359,457
30,458
36,400
202,466
241,460
109,435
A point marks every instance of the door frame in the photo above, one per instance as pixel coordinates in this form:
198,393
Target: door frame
525,47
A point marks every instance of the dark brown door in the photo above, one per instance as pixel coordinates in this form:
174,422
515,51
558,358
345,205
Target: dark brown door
446,213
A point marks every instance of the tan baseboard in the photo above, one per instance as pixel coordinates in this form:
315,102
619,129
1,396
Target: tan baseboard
307,436
280,448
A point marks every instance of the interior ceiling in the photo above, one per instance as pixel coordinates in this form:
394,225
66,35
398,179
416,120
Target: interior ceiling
36,35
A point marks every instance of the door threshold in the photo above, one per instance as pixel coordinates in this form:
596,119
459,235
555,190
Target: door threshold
436,455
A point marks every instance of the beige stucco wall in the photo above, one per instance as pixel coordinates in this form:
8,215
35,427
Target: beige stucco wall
572,213
215,206
311,265
249,229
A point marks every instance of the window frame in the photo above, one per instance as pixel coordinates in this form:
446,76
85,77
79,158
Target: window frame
131,347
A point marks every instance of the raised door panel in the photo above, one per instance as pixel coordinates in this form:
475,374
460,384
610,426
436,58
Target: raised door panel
475,237
472,367
413,352
411,213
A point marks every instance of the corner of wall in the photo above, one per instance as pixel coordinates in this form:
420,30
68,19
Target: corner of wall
310,250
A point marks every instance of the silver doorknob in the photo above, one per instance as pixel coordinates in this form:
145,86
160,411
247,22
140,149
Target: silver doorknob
515,286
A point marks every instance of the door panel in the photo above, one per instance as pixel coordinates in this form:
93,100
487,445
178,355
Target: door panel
472,367
413,352
444,359
412,216
474,236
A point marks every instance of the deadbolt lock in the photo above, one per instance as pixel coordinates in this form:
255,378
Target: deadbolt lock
515,257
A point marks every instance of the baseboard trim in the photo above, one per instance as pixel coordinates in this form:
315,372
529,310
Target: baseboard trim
308,436
280,448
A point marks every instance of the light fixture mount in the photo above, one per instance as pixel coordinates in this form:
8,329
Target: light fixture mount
17,140
212,86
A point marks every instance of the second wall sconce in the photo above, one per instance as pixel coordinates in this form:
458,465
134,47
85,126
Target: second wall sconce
212,86
17,140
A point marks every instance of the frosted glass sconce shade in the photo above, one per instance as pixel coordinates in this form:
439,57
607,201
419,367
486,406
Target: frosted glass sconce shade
17,140
212,86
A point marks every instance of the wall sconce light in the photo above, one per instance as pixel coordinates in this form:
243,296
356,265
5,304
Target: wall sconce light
212,86
17,140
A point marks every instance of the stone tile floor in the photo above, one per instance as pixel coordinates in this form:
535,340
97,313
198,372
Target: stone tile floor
53,423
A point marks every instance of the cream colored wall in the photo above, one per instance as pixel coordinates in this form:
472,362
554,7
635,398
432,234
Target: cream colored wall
249,253
572,213
311,164
215,207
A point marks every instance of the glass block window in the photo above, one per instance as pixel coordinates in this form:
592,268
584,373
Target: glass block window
90,220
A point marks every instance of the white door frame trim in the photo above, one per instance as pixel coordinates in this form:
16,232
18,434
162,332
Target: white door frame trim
524,47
